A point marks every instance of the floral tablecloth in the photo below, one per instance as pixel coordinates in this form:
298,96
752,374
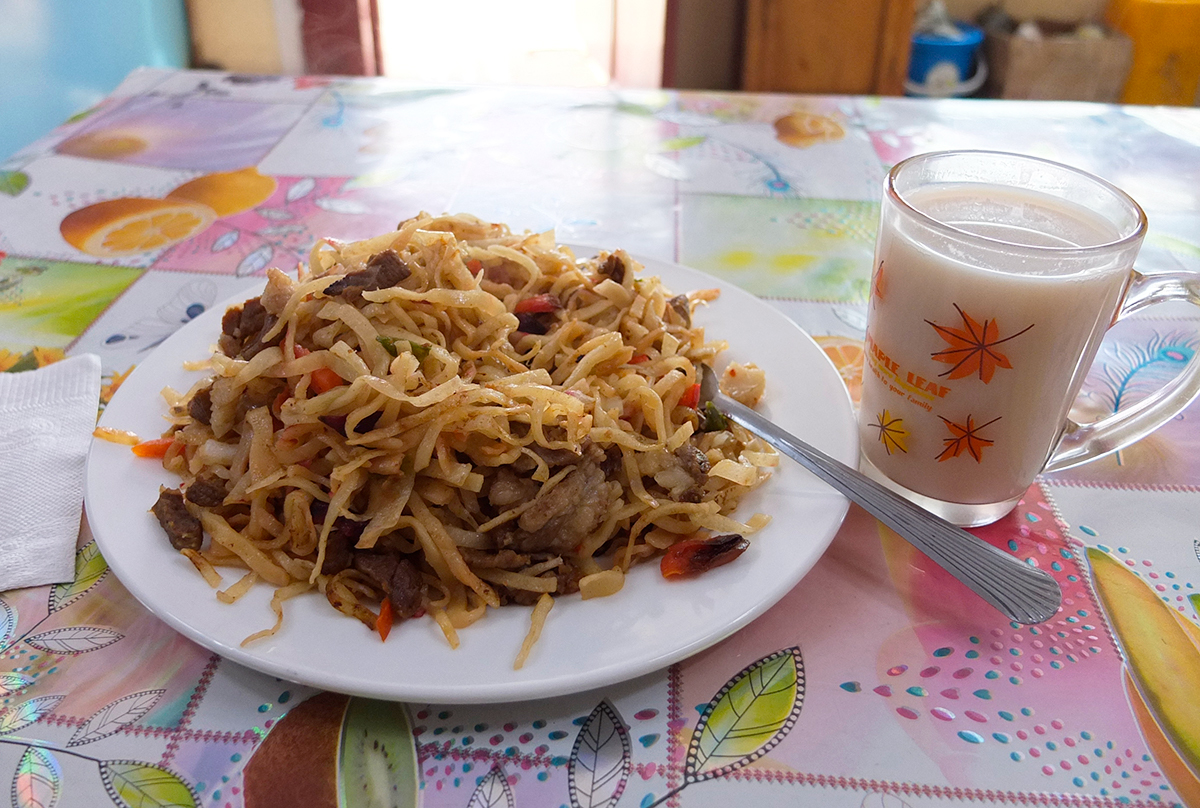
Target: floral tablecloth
878,681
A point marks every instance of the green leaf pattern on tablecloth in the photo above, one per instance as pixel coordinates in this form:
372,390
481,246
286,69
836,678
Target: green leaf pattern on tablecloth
751,714
134,784
38,780
90,569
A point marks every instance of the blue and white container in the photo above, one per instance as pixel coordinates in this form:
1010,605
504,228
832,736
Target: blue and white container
942,66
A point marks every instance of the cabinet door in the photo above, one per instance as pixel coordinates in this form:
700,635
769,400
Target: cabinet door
815,46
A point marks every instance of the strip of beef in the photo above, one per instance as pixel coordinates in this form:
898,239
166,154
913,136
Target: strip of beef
695,463
507,489
532,323
680,305
200,407
384,270
339,546
564,517
207,491
614,268
397,577
243,328
182,529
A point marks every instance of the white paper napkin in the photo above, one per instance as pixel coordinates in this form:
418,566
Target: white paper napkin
46,422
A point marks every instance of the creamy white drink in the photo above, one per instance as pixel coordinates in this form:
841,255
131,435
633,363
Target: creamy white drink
973,357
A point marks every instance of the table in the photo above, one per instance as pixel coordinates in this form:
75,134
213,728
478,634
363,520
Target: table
904,688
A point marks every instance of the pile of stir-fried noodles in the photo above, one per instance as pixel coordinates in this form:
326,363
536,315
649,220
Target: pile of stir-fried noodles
452,417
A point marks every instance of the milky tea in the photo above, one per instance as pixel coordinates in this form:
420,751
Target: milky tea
975,355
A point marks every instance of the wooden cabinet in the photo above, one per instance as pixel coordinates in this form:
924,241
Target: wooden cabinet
818,46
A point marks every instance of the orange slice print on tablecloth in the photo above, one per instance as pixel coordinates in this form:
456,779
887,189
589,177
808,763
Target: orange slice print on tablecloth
892,435
965,438
973,347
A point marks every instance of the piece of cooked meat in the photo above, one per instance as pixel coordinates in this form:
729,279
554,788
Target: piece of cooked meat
564,517
243,328
207,491
182,529
339,545
200,406
277,292
681,306
507,489
614,268
383,270
398,577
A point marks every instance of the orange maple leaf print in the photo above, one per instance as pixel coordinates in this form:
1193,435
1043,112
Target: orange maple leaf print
973,347
879,282
965,438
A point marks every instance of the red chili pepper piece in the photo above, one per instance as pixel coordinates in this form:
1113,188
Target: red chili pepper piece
325,379
638,359
538,304
693,556
383,623
691,398
156,447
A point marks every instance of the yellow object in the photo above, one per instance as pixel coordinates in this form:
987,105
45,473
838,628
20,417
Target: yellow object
227,192
1166,49
129,225
847,356
102,145
1162,663
804,129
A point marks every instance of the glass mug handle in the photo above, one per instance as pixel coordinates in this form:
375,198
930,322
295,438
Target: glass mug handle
1083,442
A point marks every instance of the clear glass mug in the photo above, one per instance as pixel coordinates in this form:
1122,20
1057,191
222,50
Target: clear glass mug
995,278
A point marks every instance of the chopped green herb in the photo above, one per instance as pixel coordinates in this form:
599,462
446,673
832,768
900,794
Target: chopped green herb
388,344
714,419
418,350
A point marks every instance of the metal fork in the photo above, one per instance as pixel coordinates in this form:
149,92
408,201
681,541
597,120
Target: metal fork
1022,593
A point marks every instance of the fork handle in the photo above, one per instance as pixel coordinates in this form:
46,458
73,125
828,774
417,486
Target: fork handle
1021,592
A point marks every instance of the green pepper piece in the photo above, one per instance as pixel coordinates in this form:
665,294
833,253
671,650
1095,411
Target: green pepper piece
389,345
714,419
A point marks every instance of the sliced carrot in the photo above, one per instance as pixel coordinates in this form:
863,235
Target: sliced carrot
538,304
474,265
638,359
325,379
299,351
383,623
691,398
153,448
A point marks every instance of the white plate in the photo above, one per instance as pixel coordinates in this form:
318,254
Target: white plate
650,624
